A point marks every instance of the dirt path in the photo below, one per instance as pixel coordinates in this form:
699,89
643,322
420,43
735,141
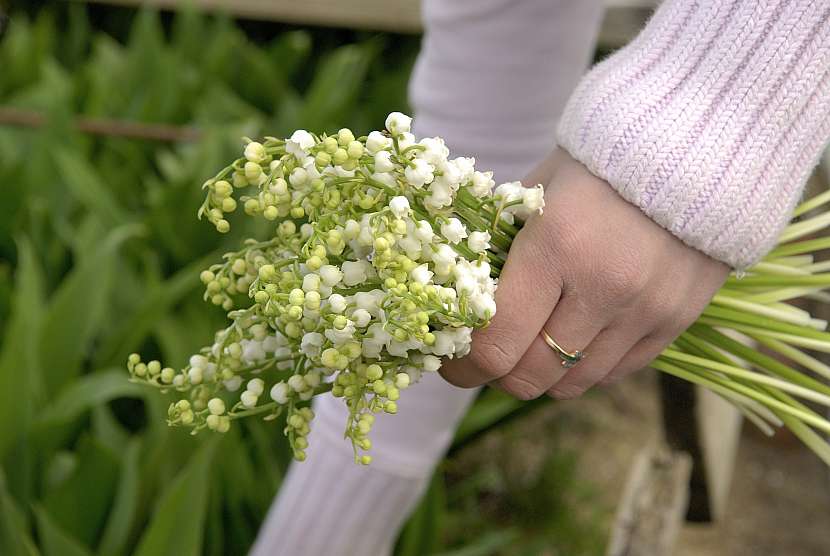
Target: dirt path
780,500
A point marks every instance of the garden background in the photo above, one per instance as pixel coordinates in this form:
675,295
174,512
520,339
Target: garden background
100,252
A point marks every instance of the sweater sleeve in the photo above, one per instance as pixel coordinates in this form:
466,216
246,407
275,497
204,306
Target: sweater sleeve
711,120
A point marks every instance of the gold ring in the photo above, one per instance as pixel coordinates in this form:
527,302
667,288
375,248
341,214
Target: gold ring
569,358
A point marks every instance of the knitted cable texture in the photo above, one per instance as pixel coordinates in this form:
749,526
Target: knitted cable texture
711,120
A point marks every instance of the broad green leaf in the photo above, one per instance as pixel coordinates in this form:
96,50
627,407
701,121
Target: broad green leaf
177,525
108,430
20,379
53,540
87,186
160,300
14,533
491,409
343,71
88,392
89,488
122,515
75,313
422,533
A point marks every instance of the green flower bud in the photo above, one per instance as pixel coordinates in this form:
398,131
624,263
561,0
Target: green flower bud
186,417
390,407
340,157
154,368
222,189
287,228
134,358
252,207
381,244
253,172
294,313
345,136
330,144
329,357
314,262
352,350
295,421
322,159
213,422
239,180
350,164
224,424
267,272
355,149
374,372
296,296
239,266
216,406
228,204
167,375
297,212
270,213
312,300
293,330
223,226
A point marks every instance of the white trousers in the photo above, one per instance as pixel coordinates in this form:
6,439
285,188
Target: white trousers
492,78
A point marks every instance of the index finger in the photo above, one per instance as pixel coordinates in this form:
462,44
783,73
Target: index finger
529,288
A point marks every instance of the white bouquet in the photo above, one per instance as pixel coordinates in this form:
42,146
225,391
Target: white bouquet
385,258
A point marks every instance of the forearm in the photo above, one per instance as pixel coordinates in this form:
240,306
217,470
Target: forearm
711,120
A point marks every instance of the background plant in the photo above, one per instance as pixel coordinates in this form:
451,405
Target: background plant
99,256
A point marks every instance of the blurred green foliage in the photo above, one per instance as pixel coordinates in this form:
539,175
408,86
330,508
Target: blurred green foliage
99,256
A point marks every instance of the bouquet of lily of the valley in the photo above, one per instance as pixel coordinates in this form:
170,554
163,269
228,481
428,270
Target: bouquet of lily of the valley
385,257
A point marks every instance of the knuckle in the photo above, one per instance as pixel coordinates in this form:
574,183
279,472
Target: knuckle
660,306
495,358
521,388
624,279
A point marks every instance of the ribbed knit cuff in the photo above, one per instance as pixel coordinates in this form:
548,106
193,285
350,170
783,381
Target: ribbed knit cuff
711,119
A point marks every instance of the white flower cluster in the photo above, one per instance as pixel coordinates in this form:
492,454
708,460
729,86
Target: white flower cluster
383,261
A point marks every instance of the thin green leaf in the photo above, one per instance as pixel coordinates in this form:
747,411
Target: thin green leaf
177,526
88,392
423,530
125,505
54,540
78,507
14,534
86,185
75,314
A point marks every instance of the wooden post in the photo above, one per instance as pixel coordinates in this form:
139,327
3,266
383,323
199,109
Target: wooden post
653,505
708,428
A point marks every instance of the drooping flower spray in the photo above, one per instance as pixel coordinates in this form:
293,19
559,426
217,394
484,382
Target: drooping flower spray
385,257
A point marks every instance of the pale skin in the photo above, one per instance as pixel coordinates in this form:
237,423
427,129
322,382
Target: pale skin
599,276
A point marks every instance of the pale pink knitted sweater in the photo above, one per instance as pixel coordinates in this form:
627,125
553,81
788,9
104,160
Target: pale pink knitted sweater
711,119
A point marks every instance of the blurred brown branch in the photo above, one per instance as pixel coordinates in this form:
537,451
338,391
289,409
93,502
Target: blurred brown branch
104,126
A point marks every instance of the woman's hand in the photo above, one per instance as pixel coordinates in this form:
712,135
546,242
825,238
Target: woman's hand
599,276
